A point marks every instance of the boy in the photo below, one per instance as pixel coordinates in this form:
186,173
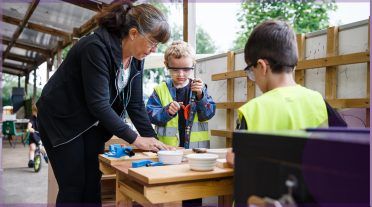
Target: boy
271,56
166,106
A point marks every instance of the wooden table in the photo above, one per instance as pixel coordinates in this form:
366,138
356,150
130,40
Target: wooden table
109,174
169,185
106,163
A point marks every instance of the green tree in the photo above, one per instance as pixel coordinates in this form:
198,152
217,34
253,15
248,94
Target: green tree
204,42
304,15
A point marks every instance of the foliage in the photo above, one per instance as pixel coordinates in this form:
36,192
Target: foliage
304,16
10,81
204,43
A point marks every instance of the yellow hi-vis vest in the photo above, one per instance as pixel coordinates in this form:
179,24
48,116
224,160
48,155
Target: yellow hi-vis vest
292,107
169,134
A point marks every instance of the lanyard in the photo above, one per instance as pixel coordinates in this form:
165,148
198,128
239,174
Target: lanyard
125,100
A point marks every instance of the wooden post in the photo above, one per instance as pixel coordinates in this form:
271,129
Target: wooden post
59,53
26,83
300,74
34,89
49,66
185,20
331,71
19,81
230,96
251,89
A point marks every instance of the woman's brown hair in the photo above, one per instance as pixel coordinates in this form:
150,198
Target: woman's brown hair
121,15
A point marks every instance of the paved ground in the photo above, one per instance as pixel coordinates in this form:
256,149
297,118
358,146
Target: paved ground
20,184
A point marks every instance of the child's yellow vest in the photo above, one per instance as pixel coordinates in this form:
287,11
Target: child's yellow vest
168,134
293,107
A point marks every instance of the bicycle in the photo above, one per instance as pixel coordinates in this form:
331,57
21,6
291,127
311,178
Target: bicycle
37,159
39,153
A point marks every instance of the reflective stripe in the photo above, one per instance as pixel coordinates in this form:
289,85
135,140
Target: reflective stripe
166,131
199,126
172,131
200,144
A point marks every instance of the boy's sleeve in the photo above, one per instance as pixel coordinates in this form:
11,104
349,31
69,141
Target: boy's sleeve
157,113
334,118
242,124
205,107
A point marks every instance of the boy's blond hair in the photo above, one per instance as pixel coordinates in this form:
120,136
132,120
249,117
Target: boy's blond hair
179,49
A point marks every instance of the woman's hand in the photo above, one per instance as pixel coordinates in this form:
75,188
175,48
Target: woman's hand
173,108
230,157
151,144
197,86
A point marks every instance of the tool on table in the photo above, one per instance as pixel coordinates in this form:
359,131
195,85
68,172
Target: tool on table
199,150
119,150
146,163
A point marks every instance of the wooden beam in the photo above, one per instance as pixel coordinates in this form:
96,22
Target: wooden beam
12,71
331,71
300,74
229,105
14,66
353,58
87,4
36,27
19,30
20,58
359,57
228,75
26,46
222,133
349,103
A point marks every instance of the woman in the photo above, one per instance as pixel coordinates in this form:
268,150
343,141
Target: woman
86,100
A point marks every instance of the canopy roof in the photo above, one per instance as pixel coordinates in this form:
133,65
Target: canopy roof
32,31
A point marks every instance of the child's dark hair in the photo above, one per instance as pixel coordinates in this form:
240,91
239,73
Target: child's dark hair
274,41
120,16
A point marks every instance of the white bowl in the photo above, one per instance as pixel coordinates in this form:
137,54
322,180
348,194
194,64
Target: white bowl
220,152
170,157
202,162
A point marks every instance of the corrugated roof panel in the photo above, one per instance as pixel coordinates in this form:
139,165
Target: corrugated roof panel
7,30
39,39
17,9
17,63
61,15
22,52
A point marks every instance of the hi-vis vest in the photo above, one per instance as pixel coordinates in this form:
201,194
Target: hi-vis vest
293,107
169,134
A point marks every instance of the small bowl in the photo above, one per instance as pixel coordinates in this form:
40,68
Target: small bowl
220,152
202,162
170,157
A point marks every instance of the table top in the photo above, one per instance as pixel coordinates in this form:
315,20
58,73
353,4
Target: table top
138,156
171,173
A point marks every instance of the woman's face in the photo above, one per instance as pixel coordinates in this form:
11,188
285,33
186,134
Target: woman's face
144,46
180,69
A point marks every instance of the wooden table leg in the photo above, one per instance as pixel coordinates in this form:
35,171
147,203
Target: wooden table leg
225,201
120,198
